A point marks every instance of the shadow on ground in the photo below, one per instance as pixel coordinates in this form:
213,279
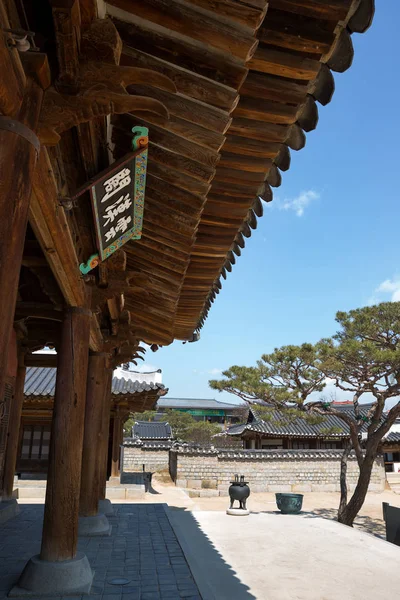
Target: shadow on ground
218,579
161,551
375,527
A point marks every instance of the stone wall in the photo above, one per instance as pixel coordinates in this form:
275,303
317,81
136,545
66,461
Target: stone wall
267,470
153,456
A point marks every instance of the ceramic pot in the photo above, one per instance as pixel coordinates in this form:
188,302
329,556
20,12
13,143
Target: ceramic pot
289,504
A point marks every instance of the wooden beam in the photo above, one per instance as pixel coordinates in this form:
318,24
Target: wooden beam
211,140
293,136
89,12
296,32
182,51
181,19
41,360
18,157
316,9
362,18
251,147
283,64
268,87
12,76
242,13
323,86
186,108
171,141
341,56
191,84
266,110
50,225
67,26
38,310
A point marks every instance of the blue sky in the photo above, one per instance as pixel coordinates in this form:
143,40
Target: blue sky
330,239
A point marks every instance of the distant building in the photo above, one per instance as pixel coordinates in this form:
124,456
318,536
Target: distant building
131,391
391,448
146,431
202,409
279,432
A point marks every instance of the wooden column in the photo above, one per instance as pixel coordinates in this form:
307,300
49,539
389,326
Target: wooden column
105,434
116,443
95,399
18,154
60,527
14,424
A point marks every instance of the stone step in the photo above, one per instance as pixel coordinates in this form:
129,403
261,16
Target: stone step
115,492
198,493
393,480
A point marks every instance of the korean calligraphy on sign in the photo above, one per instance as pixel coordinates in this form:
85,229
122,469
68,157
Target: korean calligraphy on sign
118,203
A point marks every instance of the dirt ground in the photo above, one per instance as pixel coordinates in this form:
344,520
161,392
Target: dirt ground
323,504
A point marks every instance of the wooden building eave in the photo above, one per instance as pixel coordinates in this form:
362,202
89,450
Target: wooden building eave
274,90
223,116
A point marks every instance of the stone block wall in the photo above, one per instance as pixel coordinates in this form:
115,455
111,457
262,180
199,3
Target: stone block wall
154,457
268,470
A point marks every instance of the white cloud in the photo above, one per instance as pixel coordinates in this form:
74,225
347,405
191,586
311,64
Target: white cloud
299,203
389,286
215,371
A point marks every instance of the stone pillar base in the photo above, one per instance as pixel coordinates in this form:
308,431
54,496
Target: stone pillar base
238,512
8,509
106,508
96,525
48,578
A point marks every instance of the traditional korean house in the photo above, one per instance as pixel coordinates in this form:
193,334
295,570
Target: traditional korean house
138,140
127,396
391,449
281,432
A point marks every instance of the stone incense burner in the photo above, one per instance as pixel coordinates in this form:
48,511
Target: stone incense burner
240,491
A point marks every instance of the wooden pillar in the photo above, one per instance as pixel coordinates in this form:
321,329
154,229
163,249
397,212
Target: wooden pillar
116,443
105,434
14,424
60,527
95,399
19,148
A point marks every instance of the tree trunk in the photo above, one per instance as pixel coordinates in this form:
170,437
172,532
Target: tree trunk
116,445
349,513
343,481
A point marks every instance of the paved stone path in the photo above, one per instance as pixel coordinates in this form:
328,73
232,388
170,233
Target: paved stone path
142,548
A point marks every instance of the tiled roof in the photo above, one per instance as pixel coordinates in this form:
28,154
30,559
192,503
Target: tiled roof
195,404
276,426
124,386
271,455
148,444
146,430
41,381
392,438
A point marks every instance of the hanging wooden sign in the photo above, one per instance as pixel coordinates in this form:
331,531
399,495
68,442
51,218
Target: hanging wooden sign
117,195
